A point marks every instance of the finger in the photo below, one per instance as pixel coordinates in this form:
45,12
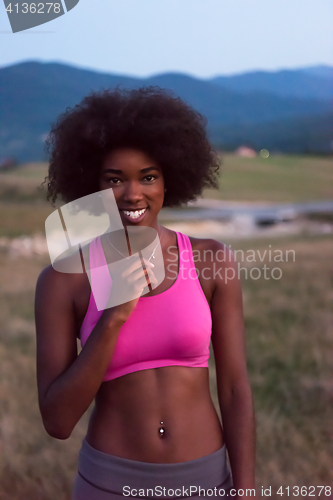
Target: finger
138,271
152,278
149,278
154,281
136,265
131,267
140,285
133,277
148,263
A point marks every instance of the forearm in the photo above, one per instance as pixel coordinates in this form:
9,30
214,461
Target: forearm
71,394
239,429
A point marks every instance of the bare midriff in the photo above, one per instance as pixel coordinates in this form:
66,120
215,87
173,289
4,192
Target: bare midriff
129,410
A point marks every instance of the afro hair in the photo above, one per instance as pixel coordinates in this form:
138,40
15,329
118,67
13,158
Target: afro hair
149,119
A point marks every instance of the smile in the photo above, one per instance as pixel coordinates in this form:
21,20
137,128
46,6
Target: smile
134,214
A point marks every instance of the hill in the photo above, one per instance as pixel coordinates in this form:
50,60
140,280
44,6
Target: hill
307,83
33,94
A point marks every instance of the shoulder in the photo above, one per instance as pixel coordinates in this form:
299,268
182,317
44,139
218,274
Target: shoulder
215,262
49,277
67,267
53,282
52,285
207,243
208,247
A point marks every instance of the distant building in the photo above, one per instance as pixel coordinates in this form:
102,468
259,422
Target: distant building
245,152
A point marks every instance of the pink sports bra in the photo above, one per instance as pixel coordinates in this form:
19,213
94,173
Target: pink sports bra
172,328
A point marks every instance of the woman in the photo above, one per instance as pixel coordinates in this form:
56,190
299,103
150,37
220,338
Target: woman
145,361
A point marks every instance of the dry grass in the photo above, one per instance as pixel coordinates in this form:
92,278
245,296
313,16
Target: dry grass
279,178
289,325
23,204
32,465
289,339
290,347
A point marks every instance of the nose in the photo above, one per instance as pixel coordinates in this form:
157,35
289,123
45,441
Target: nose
132,192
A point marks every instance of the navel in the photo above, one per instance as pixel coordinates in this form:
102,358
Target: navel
161,430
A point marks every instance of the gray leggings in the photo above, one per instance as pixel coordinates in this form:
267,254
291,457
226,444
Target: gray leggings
105,477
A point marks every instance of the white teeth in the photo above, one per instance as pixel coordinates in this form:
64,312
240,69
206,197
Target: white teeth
134,214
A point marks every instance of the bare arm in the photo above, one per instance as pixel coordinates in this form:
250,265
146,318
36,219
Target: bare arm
234,391
68,382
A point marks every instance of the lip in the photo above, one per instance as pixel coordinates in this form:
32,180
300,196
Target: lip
128,218
132,208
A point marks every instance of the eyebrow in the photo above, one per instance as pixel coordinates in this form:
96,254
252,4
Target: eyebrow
115,171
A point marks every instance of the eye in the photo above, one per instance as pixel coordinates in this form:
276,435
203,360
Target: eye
150,177
114,180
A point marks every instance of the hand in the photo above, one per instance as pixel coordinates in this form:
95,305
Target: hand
128,282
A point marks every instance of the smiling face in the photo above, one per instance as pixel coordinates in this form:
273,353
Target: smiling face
138,185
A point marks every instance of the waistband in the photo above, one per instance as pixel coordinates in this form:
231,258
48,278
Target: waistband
112,473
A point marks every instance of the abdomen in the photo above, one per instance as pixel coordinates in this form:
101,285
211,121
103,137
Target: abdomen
129,409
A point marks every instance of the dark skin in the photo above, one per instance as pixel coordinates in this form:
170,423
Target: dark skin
128,410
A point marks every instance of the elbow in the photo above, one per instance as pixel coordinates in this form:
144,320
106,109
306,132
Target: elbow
57,431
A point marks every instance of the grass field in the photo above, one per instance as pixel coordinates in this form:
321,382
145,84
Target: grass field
276,179
289,346
289,338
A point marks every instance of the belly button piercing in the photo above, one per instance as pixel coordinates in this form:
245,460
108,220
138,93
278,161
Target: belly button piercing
161,430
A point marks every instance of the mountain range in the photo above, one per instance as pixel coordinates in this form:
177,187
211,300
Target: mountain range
283,111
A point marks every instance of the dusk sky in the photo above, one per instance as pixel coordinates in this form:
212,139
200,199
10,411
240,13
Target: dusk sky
202,38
